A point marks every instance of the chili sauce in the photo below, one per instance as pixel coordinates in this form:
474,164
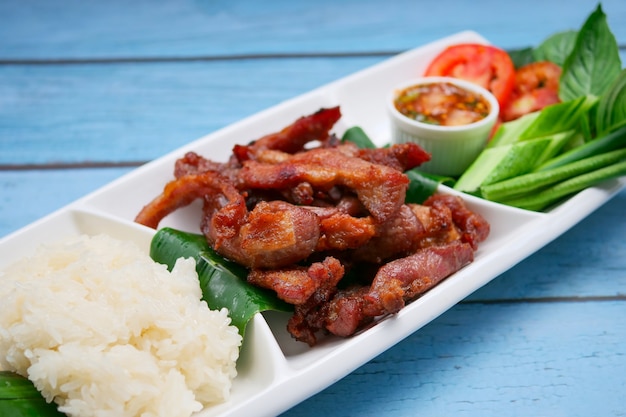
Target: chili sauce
441,103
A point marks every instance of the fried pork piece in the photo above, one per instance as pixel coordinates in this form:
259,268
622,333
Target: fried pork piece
181,192
395,283
296,285
309,317
421,245
413,227
473,226
293,138
379,188
402,157
272,235
298,217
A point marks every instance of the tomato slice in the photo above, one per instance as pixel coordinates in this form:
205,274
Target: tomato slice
536,86
485,65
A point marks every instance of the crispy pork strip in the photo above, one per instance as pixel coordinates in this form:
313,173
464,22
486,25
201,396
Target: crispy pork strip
296,285
309,317
273,235
403,279
395,283
380,189
402,157
294,137
181,192
474,227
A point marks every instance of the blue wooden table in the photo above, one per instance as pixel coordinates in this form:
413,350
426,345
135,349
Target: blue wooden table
90,90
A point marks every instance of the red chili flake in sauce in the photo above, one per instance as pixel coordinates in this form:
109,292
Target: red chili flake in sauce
442,104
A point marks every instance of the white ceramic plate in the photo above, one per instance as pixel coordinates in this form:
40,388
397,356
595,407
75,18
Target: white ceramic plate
275,372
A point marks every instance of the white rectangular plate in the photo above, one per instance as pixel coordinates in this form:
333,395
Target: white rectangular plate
275,372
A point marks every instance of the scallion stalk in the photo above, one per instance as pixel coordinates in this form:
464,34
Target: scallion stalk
612,141
552,195
536,181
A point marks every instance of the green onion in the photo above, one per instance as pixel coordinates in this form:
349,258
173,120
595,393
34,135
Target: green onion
552,195
535,181
612,141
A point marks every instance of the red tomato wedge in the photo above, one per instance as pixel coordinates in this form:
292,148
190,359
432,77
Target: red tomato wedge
485,65
536,86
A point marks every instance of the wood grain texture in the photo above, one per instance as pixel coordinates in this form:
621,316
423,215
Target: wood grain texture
88,87
40,29
547,359
126,112
26,196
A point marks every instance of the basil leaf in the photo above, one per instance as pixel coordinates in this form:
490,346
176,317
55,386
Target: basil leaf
521,57
594,63
223,282
423,185
611,113
556,48
558,117
224,285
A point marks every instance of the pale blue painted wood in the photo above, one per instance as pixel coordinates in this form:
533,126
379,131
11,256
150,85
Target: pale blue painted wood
125,112
546,359
26,196
101,29
548,339
82,113
587,261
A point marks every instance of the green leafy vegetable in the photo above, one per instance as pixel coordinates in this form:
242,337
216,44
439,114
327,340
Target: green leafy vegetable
358,136
223,282
594,62
558,117
543,156
20,398
556,48
534,182
521,57
422,185
611,113
554,194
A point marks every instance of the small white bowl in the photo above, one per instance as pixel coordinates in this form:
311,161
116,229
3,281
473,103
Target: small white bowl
452,148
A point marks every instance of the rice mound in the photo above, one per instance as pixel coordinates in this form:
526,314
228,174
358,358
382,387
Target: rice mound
104,331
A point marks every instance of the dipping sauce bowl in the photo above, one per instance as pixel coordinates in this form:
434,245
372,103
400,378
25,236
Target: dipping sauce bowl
448,117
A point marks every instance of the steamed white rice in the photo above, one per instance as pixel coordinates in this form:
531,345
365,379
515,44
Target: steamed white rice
105,331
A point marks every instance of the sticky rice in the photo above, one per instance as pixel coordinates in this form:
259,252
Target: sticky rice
103,330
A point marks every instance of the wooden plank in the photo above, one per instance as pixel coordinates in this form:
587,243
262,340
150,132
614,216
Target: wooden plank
577,263
137,112
545,359
26,196
91,113
40,29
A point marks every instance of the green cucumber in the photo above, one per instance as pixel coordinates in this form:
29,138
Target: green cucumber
502,162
